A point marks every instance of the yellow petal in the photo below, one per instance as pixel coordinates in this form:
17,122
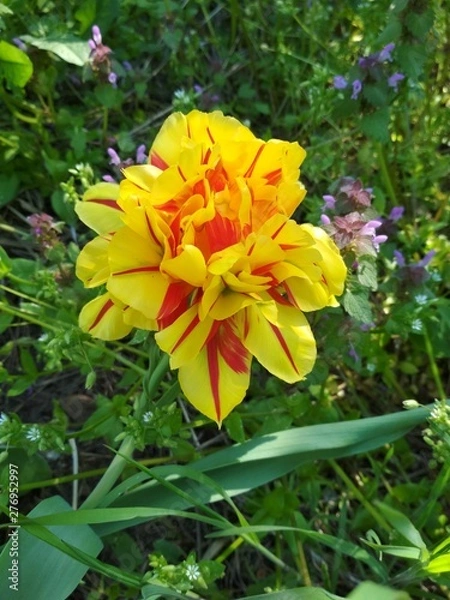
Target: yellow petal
99,209
285,346
135,277
103,318
188,266
184,338
216,380
92,265
332,263
308,295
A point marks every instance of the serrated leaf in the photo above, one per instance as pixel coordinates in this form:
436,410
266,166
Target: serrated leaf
376,94
390,33
376,125
420,24
15,66
69,48
411,59
367,272
357,305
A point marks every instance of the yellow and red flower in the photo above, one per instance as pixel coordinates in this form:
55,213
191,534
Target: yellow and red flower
199,245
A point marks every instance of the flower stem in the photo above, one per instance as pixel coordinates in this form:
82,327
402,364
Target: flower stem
433,366
119,462
385,175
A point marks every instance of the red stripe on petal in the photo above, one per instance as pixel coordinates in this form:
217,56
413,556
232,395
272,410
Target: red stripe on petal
150,229
137,270
181,173
157,161
105,202
108,304
285,347
221,233
213,366
206,157
232,349
175,295
255,160
192,325
208,131
273,177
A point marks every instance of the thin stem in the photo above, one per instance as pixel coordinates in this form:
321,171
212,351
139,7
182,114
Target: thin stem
433,366
360,496
385,175
119,462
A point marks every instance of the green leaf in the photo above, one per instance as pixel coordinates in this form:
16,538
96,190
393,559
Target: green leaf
243,467
372,591
358,306
402,524
9,185
336,544
69,48
438,565
376,94
419,24
44,571
305,593
376,125
15,66
5,262
411,59
367,272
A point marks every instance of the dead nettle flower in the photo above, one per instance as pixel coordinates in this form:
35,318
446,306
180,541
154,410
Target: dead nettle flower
413,274
119,164
370,69
352,227
44,230
99,56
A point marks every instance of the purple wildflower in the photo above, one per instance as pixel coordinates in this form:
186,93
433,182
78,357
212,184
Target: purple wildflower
400,259
127,65
198,89
112,78
330,202
109,179
357,87
44,229
115,158
353,232
385,53
368,62
96,35
427,258
141,155
396,213
395,79
339,82
354,193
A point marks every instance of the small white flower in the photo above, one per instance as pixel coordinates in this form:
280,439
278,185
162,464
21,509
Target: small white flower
181,95
3,418
33,434
435,276
417,325
192,572
147,416
421,299
371,367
